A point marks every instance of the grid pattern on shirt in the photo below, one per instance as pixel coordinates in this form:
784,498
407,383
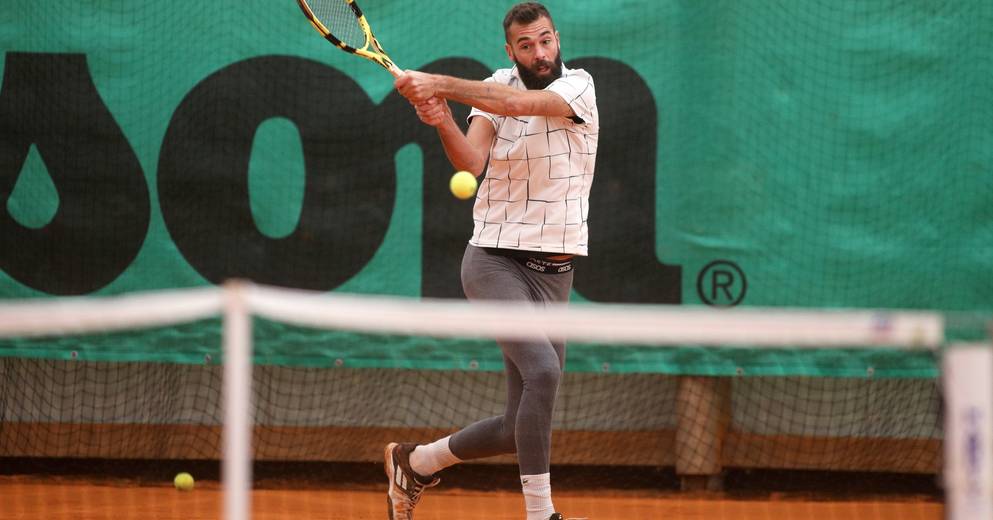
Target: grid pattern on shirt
535,195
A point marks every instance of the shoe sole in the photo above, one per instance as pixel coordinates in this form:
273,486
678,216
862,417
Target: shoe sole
387,462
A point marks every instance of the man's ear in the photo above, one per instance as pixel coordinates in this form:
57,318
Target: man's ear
510,52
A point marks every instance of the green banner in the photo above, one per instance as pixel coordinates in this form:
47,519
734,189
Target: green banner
751,153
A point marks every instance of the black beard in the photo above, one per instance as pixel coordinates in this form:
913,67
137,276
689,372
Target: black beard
531,78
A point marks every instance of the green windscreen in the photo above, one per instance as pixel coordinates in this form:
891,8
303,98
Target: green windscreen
752,153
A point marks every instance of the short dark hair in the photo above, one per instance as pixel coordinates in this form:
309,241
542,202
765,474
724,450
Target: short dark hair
525,13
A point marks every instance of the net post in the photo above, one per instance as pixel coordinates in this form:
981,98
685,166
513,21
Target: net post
237,463
703,414
967,380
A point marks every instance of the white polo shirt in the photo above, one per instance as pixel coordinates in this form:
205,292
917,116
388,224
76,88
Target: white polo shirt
535,195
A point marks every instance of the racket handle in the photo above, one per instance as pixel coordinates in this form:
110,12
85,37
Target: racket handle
395,70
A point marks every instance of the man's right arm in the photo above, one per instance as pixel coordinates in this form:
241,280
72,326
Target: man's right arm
468,151
489,96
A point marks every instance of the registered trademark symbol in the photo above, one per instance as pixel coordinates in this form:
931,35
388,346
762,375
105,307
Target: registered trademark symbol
721,283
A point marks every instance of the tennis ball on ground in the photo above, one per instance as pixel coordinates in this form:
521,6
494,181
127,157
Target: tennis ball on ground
183,482
463,184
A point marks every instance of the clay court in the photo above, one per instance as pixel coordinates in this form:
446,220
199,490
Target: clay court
73,500
474,492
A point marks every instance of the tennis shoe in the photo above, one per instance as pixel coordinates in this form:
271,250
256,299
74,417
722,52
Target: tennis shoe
405,485
558,516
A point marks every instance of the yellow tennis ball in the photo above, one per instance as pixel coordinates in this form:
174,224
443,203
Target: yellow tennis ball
463,184
183,482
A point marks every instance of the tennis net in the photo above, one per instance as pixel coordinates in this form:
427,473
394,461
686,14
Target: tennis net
305,421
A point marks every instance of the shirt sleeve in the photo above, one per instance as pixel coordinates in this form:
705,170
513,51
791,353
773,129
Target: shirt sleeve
577,90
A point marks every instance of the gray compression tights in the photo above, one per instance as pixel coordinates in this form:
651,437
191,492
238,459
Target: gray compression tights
533,368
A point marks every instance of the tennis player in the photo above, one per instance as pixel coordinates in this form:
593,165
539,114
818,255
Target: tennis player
533,128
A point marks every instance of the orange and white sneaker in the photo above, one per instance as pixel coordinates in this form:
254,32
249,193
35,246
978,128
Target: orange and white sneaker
405,485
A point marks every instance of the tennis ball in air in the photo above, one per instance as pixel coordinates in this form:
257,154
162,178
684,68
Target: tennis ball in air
463,184
183,482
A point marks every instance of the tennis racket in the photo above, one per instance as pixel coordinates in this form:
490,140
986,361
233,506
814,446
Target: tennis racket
342,23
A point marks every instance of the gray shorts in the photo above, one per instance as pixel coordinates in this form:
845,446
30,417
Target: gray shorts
489,274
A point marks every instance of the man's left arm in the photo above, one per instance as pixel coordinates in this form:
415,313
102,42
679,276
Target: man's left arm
485,95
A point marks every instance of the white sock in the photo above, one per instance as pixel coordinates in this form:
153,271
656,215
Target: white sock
538,496
428,459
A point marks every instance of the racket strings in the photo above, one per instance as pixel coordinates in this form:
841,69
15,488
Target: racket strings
340,20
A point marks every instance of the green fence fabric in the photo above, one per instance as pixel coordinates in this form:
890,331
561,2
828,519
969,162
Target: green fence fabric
812,154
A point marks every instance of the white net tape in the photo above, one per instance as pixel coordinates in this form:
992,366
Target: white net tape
608,323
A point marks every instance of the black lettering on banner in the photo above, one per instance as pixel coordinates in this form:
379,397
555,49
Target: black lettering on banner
722,280
50,101
350,175
721,283
623,266
447,221
349,147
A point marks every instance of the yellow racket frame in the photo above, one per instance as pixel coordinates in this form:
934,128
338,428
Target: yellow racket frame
371,51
